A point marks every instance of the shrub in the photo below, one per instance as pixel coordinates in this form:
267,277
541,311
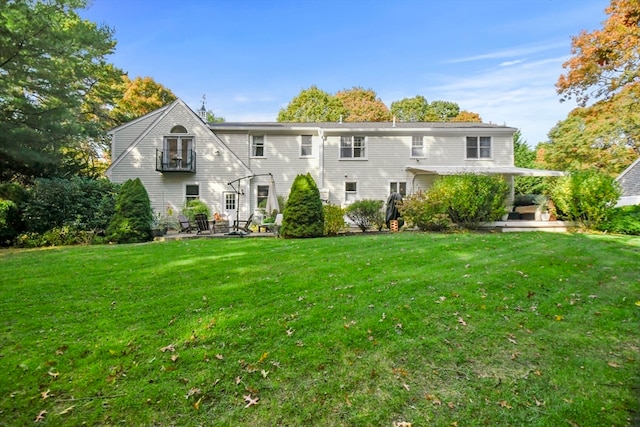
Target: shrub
132,220
304,214
333,220
585,197
470,199
79,203
428,215
365,213
622,220
8,217
195,206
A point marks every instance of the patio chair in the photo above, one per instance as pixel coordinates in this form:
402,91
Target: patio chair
203,224
243,225
185,225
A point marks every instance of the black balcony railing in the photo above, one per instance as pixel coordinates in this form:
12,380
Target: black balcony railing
171,163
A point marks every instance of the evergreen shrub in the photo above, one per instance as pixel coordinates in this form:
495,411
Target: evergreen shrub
304,213
131,222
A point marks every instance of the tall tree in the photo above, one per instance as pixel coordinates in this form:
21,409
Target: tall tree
604,61
467,116
443,111
50,61
414,109
363,105
312,105
525,157
140,96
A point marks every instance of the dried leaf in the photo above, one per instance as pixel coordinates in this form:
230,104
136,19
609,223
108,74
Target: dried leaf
219,356
238,380
402,424
263,357
196,405
40,416
67,410
504,404
45,394
174,357
406,387
54,374
170,348
461,321
264,373
613,364
250,401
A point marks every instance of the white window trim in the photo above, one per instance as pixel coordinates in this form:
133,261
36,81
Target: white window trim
350,159
188,196
355,193
264,147
179,137
306,156
466,152
424,148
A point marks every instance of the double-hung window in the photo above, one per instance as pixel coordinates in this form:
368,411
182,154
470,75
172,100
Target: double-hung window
353,147
229,201
417,146
306,147
398,187
192,192
478,147
350,192
257,146
263,194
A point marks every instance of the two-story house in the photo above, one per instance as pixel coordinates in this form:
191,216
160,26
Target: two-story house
228,165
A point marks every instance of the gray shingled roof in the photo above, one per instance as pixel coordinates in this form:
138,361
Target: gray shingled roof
355,125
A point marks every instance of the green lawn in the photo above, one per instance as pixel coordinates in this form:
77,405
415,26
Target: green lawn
510,329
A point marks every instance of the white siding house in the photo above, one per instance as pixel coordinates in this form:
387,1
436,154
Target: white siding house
178,156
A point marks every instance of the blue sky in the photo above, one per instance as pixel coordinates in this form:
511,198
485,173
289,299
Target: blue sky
498,58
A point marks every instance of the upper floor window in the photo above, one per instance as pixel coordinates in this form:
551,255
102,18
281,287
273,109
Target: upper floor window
417,146
178,149
478,147
178,129
353,147
257,146
306,149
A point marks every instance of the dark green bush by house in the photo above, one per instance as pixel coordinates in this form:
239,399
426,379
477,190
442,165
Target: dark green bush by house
585,197
78,203
622,220
304,214
132,220
366,213
12,198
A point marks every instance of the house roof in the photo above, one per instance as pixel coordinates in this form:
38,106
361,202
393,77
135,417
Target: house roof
492,170
357,126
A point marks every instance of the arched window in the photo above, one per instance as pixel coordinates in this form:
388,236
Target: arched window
178,129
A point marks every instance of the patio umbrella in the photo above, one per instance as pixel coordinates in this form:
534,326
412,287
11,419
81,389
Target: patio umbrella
272,198
392,209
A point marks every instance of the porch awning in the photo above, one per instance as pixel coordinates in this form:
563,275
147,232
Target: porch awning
485,170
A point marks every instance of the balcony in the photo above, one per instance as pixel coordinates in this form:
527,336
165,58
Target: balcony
173,164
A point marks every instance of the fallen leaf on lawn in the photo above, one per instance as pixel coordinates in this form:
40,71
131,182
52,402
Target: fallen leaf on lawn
174,357
197,404
45,394
638,303
537,372
539,403
60,350
406,387
290,331
558,317
504,404
402,424
264,373
170,348
461,321
40,416
193,391
613,364
250,401
219,356
454,424
67,410
54,374
346,398
263,357
451,405
238,380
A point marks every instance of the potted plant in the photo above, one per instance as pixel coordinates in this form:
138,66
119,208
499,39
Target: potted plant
159,224
543,207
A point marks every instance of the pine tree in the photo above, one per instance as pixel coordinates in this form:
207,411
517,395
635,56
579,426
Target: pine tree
132,220
304,214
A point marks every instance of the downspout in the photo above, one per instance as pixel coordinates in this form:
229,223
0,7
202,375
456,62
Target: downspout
321,157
